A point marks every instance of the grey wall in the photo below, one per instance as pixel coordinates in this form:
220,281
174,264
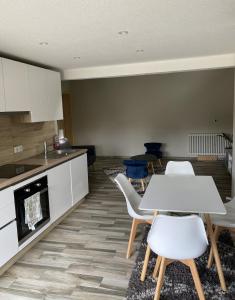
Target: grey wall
119,114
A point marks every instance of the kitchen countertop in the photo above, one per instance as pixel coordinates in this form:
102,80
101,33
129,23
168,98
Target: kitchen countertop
45,164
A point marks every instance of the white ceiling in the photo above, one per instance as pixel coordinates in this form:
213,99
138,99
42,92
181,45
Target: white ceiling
164,29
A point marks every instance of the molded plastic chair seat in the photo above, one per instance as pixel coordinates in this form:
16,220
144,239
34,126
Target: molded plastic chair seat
179,168
223,222
227,220
178,238
133,200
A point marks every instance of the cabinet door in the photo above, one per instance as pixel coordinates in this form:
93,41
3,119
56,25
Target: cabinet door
15,79
2,100
59,186
79,176
54,96
8,242
38,96
7,206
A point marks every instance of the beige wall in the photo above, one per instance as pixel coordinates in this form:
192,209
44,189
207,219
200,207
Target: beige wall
119,114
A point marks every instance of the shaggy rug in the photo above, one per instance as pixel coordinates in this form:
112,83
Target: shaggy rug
113,172
178,282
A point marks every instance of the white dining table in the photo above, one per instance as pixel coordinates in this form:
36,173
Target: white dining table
185,194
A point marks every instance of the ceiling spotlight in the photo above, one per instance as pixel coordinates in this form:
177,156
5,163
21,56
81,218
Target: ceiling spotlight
140,50
76,57
43,43
123,32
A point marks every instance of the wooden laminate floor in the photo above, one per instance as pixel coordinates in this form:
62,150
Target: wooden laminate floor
84,257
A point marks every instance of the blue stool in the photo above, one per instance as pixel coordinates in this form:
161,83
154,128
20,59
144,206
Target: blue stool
136,170
154,149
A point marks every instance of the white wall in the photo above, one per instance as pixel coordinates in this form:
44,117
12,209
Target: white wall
119,114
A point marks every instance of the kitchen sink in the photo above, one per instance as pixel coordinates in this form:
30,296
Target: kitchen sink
57,153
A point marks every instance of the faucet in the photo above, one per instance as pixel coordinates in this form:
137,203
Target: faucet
45,149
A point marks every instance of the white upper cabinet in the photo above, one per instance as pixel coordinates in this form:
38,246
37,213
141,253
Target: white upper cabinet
30,89
16,88
2,100
45,95
54,96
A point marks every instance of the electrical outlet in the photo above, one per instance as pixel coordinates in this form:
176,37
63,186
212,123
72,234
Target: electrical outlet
15,149
18,148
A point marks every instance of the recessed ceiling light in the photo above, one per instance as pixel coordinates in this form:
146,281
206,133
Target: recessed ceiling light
43,43
140,50
76,57
123,32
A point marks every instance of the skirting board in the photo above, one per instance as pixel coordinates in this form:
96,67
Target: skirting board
5,267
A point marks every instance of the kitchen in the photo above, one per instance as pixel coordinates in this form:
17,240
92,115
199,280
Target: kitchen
85,88
58,177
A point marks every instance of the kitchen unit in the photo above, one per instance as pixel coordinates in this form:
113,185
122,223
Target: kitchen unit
32,91
60,180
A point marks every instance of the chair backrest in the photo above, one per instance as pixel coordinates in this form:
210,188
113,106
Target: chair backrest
179,168
132,197
153,146
178,237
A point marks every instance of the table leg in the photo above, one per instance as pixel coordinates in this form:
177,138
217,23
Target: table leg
152,167
215,252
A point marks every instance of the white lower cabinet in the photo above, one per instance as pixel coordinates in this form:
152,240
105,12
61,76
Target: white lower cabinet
59,186
79,175
8,242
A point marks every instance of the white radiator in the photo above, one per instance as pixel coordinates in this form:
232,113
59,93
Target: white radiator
207,144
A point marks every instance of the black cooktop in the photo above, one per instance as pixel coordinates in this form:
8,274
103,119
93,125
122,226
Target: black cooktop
12,170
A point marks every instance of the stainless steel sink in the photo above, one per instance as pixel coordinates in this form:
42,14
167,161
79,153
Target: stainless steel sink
57,153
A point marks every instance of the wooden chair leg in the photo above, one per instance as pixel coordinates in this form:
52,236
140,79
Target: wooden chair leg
160,163
160,278
146,260
216,235
196,279
132,237
215,253
157,266
142,184
152,166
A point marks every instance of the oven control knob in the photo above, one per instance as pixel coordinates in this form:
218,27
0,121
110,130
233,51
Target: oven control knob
27,190
38,184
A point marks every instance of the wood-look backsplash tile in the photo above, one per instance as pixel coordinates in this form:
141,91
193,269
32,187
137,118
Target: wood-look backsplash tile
30,135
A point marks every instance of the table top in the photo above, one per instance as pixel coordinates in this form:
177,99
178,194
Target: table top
182,193
148,157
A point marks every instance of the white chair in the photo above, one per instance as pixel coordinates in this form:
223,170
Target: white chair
179,168
222,222
176,238
133,201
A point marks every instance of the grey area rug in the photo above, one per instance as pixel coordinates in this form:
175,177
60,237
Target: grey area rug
178,282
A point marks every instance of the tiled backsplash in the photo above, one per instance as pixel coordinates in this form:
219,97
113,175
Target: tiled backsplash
30,135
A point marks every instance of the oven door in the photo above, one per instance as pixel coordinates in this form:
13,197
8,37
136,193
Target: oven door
23,193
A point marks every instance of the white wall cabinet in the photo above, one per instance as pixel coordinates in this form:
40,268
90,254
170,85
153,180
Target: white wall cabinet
59,186
79,175
8,242
54,97
2,99
45,95
26,88
16,87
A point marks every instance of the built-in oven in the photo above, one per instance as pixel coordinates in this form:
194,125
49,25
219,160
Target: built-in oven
22,195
